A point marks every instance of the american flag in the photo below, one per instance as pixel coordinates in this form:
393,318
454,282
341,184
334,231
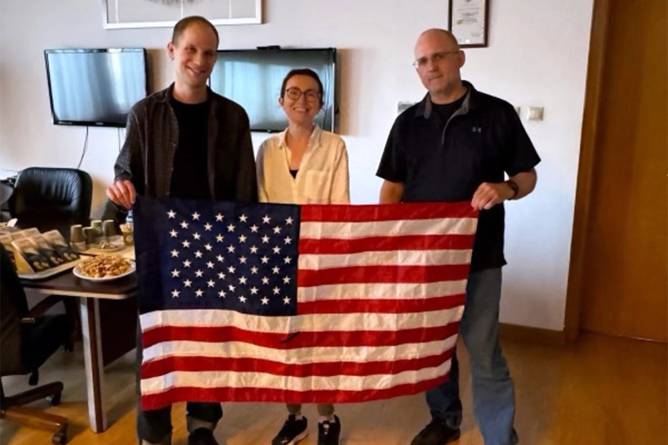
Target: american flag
298,304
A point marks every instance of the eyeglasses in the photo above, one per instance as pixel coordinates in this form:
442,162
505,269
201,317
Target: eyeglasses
295,93
435,58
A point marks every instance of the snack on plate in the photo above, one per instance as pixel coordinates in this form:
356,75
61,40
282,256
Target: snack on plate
48,251
103,266
58,243
29,250
26,233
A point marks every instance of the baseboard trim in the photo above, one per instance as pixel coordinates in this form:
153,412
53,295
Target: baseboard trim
529,334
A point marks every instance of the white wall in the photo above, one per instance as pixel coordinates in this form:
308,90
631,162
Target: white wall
537,56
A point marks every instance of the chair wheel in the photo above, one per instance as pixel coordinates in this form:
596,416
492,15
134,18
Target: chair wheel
55,399
59,438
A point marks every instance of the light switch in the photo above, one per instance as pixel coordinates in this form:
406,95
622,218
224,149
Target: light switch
535,114
403,105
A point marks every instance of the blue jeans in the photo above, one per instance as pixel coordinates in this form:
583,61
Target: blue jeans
493,397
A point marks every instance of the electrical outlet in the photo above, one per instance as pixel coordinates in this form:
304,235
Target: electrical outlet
535,114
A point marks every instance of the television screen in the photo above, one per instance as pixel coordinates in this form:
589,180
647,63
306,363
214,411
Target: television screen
253,78
95,86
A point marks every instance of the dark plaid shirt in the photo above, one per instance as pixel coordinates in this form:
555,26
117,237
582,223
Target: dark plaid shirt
152,136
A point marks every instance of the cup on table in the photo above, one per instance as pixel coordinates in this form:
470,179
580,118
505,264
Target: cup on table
108,228
96,225
90,235
127,230
77,237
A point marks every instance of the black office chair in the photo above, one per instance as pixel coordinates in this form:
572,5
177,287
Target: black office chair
51,198
27,339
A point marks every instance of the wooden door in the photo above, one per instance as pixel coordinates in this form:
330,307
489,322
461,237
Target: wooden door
622,261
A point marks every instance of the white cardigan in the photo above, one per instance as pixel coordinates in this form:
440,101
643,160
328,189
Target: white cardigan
322,177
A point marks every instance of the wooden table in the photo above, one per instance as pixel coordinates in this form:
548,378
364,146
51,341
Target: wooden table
103,305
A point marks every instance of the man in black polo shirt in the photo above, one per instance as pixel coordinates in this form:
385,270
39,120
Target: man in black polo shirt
187,142
456,144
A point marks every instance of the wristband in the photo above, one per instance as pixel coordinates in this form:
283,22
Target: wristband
513,185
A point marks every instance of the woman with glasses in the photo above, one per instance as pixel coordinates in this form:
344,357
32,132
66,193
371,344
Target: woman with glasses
304,164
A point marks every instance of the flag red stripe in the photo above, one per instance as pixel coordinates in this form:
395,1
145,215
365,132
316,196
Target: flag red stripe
382,274
182,394
397,306
389,212
166,365
298,339
385,243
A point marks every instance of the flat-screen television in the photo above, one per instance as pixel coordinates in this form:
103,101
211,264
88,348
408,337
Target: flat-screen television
253,77
95,86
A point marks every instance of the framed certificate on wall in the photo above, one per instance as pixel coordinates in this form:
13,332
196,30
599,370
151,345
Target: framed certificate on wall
467,21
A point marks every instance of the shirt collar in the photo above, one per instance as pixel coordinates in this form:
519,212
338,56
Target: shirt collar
168,93
425,107
313,141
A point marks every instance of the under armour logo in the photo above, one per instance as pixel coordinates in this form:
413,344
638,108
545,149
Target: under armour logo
476,129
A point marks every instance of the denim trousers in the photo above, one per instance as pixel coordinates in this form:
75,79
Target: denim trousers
155,426
493,396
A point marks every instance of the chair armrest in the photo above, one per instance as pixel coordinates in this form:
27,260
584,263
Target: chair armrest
40,308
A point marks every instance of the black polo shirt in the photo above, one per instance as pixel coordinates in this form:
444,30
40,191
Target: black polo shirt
437,161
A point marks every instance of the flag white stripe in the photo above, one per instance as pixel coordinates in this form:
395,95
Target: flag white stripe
385,258
227,379
299,323
389,291
236,350
406,227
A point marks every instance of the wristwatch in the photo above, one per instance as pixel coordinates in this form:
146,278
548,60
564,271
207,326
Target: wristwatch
513,185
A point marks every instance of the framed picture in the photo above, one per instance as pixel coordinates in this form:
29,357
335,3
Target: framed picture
165,13
467,21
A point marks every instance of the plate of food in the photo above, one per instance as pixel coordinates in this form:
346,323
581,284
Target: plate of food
112,244
104,268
